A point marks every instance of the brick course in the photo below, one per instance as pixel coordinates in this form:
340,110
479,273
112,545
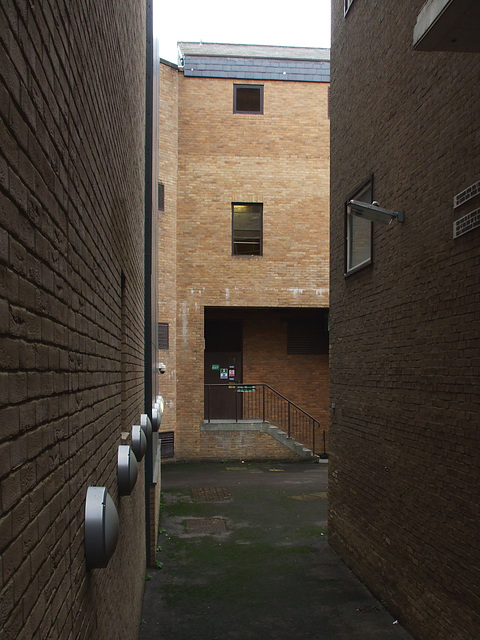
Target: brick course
71,230
405,349
246,445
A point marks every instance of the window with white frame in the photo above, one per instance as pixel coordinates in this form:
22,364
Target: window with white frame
359,234
347,5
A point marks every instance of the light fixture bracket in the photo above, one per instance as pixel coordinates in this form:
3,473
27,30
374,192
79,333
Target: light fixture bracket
373,212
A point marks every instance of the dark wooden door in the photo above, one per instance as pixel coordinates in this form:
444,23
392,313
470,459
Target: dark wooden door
223,370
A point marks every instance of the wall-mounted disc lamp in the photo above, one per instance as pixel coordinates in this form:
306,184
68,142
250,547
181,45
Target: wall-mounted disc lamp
157,412
373,212
101,527
127,470
139,441
146,425
160,402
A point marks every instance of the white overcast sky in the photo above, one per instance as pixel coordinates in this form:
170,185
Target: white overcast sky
301,23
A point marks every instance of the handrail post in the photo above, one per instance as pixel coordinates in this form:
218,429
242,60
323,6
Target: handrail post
236,402
313,437
208,403
289,419
263,403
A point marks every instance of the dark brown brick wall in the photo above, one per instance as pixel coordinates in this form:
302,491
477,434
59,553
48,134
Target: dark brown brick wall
71,231
405,350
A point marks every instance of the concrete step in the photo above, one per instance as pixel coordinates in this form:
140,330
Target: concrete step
290,443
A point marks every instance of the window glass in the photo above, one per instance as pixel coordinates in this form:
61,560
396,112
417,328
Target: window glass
359,234
247,98
247,229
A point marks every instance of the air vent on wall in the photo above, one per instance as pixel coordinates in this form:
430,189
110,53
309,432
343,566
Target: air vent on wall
167,439
467,194
163,335
466,223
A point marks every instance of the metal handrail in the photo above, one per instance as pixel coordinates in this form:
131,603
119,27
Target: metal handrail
290,417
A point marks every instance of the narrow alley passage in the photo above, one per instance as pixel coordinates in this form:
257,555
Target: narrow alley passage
243,554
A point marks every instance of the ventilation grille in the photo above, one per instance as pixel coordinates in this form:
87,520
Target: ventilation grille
167,440
163,335
466,223
306,337
466,194
211,494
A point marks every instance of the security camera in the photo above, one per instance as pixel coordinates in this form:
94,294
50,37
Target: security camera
161,367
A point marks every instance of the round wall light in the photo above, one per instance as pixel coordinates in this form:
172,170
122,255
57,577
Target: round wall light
127,470
101,527
139,442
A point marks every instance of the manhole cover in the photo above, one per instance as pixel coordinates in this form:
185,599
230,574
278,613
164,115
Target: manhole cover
205,525
211,494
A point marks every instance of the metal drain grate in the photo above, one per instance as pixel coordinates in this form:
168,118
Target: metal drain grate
205,525
310,496
211,494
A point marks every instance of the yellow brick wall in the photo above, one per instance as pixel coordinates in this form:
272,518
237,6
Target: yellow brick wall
280,159
167,228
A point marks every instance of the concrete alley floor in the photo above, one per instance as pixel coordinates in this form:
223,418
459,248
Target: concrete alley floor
244,556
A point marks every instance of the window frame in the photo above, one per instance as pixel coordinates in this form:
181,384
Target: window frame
260,87
349,220
260,230
346,6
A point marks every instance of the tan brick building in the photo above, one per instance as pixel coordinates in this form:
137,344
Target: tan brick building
74,373
405,321
244,167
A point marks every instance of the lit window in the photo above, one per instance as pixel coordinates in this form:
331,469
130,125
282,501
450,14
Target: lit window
359,234
247,98
247,229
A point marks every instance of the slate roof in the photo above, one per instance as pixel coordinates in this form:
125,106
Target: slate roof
255,62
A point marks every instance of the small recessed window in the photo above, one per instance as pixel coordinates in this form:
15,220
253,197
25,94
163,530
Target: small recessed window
359,234
161,197
308,336
247,229
247,98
